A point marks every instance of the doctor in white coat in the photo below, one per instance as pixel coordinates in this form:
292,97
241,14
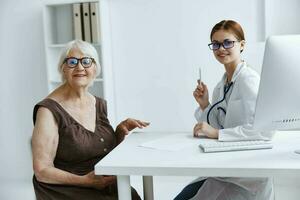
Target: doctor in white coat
229,117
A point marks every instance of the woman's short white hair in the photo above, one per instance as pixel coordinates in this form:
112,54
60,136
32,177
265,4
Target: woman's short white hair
85,48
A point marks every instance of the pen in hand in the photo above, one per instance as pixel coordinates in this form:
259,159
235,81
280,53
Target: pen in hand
199,75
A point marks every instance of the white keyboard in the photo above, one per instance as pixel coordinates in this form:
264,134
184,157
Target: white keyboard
216,146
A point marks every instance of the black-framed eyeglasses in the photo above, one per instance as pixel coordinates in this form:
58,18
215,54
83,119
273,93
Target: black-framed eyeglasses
226,44
72,62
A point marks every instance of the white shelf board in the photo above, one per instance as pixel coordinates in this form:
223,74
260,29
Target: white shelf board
59,2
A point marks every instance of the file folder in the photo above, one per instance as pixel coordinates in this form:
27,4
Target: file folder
86,22
77,29
95,24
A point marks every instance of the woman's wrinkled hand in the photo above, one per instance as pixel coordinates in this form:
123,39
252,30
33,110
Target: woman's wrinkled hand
127,125
99,182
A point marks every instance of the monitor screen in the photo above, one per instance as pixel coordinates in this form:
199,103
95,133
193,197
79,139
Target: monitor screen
278,101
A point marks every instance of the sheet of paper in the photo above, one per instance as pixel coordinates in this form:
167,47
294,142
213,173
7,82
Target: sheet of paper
173,142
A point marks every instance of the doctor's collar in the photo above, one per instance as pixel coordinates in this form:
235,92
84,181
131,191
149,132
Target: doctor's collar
236,72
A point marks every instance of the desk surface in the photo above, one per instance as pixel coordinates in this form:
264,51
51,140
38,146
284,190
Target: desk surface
130,159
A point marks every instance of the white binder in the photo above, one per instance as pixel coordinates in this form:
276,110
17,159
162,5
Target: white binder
86,22
95,25
77,29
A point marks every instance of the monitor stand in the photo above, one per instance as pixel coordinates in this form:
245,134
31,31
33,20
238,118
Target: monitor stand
297,151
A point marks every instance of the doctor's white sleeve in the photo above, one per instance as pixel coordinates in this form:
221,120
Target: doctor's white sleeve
201,115
244,132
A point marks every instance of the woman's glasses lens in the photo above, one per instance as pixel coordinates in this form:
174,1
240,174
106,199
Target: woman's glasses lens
86,62
72,62
228,44
215,46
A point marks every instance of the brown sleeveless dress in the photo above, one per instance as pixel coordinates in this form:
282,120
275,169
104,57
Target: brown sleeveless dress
78,151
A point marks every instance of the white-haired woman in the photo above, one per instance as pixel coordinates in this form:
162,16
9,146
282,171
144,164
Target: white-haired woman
72,133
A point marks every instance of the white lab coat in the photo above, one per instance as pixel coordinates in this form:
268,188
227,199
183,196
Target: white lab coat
235,125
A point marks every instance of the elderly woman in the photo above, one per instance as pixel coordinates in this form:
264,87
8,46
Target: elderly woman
72,133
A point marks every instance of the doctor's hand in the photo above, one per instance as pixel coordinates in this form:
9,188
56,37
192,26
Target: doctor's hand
203,128
127,125
201,95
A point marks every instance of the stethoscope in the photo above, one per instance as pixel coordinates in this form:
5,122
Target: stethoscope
226,90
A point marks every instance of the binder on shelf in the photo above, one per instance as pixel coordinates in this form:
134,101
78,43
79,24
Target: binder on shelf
86,22
95,24
77,29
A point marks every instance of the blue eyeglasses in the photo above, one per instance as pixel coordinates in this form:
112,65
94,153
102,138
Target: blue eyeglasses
72,62
226,44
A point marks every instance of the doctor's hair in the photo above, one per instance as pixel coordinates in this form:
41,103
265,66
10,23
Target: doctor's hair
85,48
231,26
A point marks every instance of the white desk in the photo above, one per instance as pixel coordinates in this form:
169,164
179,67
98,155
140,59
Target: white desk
130,159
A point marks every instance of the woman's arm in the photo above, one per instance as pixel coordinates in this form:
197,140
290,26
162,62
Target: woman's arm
44,147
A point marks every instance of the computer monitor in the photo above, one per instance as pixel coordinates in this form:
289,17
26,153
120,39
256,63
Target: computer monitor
278,101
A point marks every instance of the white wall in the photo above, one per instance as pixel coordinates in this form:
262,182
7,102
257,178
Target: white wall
282,17
22,84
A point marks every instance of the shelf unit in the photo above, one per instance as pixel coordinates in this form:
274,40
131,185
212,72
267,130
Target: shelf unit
58,30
